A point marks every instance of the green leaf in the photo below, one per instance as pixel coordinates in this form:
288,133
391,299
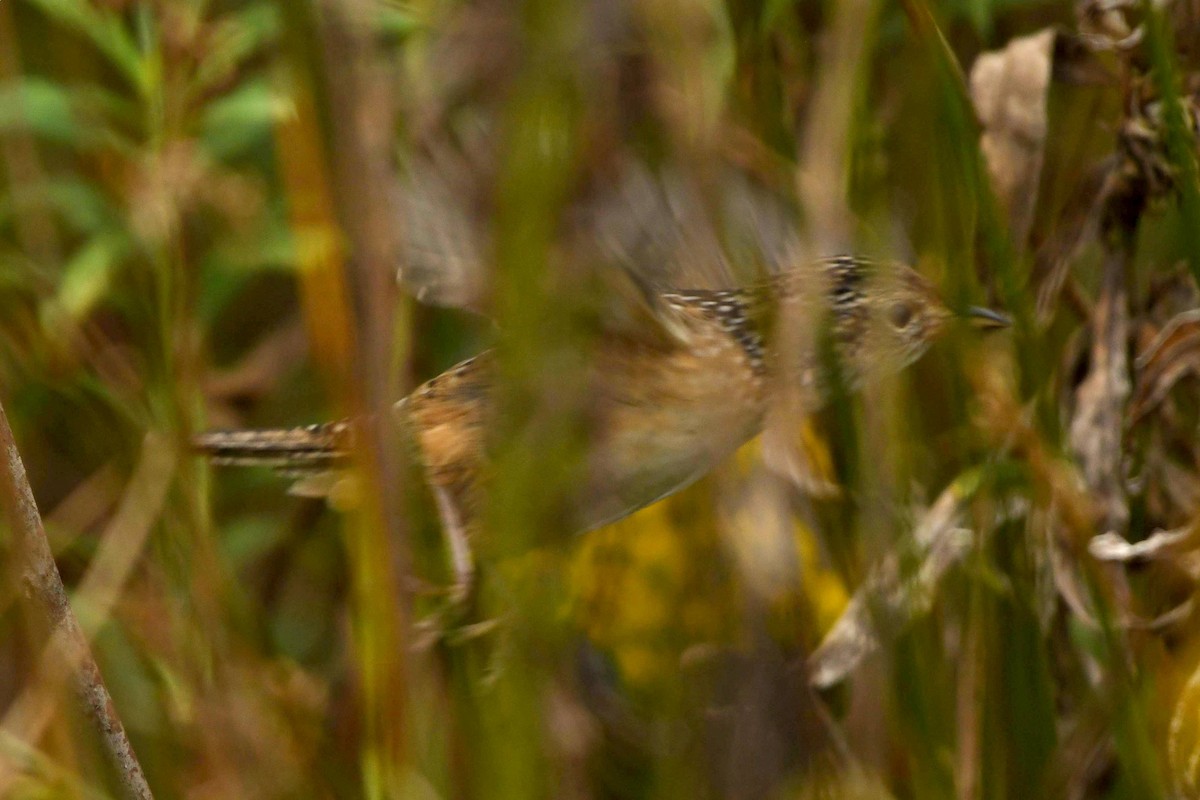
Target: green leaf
226,268
95,104
104,29
397,21
80,117
86,277
83,206
251,537
39,106
242,119
235,38
1180,138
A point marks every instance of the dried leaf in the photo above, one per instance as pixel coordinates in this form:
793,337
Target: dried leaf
1112,546
1105,24
887,600
1008,89
1177,547
1098,424
1172,355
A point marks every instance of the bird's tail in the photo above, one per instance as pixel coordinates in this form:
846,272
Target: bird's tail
314,456
312,448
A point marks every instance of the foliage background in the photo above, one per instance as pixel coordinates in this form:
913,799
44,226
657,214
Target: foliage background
200,227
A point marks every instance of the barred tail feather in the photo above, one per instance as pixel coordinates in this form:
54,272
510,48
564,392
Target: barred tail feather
295,451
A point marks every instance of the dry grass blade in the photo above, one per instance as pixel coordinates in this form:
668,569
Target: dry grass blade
46,601
125,535
1183,740
88,503
121,545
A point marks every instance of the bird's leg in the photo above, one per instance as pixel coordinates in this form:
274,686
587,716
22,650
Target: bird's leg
462,562
455,623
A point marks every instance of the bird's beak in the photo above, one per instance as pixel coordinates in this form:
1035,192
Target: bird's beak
986,319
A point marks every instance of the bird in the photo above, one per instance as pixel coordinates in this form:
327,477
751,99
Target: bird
667,404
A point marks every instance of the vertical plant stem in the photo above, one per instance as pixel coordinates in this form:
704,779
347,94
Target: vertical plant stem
361,131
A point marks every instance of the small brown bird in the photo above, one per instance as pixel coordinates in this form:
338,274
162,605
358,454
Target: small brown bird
667,407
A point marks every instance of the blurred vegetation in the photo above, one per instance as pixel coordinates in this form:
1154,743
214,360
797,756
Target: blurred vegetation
197,230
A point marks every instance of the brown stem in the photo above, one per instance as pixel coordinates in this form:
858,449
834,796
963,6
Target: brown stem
1097,428
45,599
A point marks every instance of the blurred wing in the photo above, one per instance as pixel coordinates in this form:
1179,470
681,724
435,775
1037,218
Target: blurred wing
658,229
635,310
671,230
444,241
643,233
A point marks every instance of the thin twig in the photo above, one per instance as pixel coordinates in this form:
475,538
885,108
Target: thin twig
45,599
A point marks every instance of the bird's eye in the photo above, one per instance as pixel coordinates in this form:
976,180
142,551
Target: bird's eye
900,315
